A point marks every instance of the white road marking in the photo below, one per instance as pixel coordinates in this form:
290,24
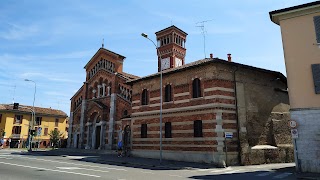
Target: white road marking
5,155
68,172
282,175
201,170
5,158
77,168
174,175
68,168
73,163
221,170
146,172
77,157
265,173
231,172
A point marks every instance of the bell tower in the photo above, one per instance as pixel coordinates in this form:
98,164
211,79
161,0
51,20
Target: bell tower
171,45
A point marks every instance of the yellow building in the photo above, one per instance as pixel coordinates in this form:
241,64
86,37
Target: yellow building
15,122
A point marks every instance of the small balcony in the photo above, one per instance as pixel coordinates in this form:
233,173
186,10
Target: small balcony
15,136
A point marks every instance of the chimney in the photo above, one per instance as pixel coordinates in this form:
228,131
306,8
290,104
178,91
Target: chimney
229,58
211,55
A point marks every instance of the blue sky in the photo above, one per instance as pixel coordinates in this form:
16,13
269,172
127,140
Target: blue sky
50,42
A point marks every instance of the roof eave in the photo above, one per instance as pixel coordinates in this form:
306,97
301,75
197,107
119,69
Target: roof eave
123,57
274,15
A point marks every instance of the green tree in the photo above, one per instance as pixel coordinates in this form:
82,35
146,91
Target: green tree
55,136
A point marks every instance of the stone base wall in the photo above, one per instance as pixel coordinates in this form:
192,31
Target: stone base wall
308,143
217,159
266,156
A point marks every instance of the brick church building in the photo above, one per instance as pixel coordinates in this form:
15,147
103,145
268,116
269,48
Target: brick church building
202,101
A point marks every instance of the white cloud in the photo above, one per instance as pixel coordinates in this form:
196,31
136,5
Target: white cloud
59,94
44,57
18,32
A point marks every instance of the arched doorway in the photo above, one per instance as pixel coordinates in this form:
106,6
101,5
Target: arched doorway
77,143
97,133
98,140
127,140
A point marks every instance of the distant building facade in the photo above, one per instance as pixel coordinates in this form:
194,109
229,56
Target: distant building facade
300,30
201,102
15,123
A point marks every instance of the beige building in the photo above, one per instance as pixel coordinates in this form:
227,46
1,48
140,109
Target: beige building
300,30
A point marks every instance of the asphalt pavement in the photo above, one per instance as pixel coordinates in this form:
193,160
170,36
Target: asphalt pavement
74,164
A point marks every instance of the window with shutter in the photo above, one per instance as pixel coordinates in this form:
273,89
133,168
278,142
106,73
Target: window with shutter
0,118
197,128
18,119
316,21
38,120
45,131
36,130
168,130
316,77
143,130
168,96
196,88
56,122
144,97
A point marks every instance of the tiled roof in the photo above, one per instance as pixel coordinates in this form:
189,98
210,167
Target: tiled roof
295,7
173,26
128,76
204,62
103,49
38,110
274,14
79,90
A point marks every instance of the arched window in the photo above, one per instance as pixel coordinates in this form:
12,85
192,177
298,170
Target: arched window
196,88
168,93
144,97
125,113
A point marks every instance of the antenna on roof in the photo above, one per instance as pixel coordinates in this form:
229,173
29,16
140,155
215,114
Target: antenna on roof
102,42
203,31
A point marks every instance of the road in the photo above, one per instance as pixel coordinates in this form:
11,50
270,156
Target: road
15,166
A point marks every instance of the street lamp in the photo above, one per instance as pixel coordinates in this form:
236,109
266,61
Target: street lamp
34,114
146,36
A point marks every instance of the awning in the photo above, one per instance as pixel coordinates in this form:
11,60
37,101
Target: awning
261,147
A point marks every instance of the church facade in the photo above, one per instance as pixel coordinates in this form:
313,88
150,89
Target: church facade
101,102
201,102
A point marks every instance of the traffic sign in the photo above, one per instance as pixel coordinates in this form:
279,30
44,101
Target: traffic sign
294,133
39,131
293,124
228,135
